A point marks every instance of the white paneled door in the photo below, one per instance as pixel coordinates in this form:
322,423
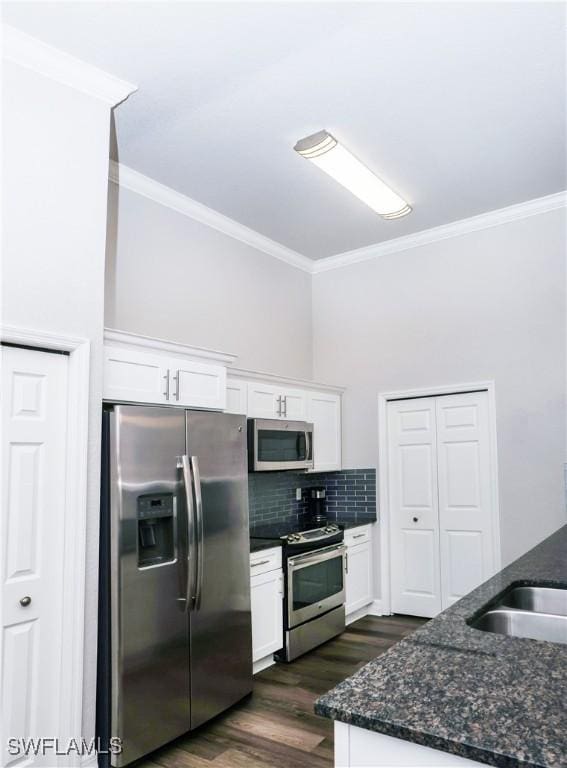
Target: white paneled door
441,501
466,514
34,412
414,509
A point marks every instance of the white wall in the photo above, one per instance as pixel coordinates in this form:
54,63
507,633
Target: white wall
172,277
55,169
487,305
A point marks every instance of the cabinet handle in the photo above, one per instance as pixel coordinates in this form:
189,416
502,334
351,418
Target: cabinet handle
346,562
280,405
285,406
25,601
166,377
176,378
359,536
261,562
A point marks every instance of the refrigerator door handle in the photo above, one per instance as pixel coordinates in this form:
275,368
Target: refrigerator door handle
188,558
199,527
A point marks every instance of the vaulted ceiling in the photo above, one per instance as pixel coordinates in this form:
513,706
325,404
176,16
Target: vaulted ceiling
460,107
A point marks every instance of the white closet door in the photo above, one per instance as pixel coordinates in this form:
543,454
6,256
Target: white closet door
414,513
465,499
34,403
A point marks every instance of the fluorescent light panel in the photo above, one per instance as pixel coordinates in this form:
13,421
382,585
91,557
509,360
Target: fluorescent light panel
326,153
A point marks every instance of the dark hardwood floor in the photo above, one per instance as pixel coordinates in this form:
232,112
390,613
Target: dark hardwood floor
276,725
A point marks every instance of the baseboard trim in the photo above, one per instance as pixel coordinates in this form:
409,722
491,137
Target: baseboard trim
262,664
376,609
360,613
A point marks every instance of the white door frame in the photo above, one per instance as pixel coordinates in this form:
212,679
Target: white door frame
384,518
70,705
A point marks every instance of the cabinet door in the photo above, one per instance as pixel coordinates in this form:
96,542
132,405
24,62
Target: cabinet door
324,410
197,385
134,376
236,396
263,401
266,592
358,577
294,404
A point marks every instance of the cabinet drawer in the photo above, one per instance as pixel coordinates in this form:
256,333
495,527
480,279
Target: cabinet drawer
358,535
265,560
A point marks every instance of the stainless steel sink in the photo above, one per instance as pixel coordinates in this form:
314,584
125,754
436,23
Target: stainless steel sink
538,599
523,623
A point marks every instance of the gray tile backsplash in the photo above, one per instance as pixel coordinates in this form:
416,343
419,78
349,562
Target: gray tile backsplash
351,495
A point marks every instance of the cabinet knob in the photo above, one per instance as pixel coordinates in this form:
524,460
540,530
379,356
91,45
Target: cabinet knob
25,601
415,519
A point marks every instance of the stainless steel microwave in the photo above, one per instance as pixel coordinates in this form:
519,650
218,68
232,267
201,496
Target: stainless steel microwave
274,444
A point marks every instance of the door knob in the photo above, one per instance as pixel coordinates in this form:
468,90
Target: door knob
415,519
25,601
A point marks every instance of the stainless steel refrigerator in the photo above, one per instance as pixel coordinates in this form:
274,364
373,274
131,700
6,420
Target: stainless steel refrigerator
175,643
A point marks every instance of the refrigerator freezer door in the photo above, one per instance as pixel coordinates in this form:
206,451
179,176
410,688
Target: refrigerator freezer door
220,624
149,639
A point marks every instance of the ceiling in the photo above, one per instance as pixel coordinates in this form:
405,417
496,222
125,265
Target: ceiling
460,107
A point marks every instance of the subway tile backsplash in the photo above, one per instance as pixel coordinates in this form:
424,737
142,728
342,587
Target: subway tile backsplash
351,495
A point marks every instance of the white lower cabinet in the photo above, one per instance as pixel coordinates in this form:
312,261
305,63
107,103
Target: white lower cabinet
358,748
266,594
358,581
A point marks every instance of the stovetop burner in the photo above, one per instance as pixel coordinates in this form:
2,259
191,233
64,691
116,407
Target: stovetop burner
293,533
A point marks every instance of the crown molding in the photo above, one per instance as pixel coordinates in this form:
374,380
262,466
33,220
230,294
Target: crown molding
444,232
247,375
143,185
31,53
127,339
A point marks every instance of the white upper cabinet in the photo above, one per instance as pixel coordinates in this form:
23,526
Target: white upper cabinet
264,401
200,385
294,404
270,401
135,376
248,393
324,411
236,396
142,370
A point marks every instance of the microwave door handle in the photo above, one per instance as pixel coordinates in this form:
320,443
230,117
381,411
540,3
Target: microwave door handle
199,527
307,445
187,558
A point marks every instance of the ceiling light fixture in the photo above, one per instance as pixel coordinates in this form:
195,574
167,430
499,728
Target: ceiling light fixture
327,154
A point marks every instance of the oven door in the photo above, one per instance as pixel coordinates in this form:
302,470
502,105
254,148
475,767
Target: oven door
315,583
277,445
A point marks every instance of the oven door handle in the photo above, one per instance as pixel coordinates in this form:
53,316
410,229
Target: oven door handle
319,556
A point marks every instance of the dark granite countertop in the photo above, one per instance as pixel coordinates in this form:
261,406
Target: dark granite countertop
347,524
257,545
492,698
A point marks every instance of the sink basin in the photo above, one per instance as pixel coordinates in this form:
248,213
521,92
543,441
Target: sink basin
523,623
538,599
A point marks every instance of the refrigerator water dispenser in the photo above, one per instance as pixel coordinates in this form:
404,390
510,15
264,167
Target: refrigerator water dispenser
155,529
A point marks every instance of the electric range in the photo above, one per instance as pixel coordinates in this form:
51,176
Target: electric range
314,563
